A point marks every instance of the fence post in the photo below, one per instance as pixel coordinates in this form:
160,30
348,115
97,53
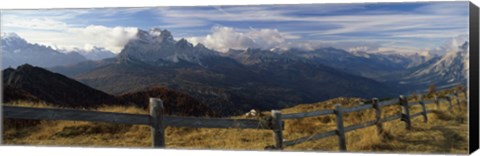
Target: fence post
437,102
450,107
277,129
465,95
458,101
424,110
405,112
378,116
156,123
340,131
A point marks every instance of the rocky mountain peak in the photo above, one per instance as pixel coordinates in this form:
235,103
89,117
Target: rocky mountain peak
182,43
25,67
464,46
9,35
12,39
157,44
160,35
200,46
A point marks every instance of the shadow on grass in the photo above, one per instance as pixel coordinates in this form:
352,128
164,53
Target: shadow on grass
451,138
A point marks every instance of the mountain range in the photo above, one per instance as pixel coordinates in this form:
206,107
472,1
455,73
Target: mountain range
95,53
451,68
235,81
16,51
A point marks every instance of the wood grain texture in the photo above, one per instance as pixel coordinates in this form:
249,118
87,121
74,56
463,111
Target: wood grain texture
74,115
277,129
124,118
359,126
340,128
392,118
450,105
416,114
405,112
378,116
357,108
307,114
389,102
156,124
195,122
424,110
437,102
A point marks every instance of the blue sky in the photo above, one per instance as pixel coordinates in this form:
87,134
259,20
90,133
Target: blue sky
372,27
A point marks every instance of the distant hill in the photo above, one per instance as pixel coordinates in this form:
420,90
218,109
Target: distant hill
174,102
30,82
35,84
73,70
13,94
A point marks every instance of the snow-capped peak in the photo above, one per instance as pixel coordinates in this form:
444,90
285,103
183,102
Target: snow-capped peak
425,54
200,46
12,39
154,35
9,35
161,35
155,44
360,53
91,53
452,67
182,43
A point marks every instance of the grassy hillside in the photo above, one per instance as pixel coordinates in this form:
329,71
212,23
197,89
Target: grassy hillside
446,132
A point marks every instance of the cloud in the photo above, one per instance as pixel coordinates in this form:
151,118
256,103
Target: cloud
451,45
49,27
112,38
224,38
408,28
61,35
33,23
348,26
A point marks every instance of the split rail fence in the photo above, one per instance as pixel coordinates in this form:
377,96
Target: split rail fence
158,121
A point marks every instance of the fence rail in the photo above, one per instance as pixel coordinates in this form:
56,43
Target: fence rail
308,114
389,102
158,121
125,118
74,115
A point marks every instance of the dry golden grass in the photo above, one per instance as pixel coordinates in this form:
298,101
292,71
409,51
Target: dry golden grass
445,132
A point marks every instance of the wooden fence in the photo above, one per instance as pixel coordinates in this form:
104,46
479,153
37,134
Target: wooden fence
405,116
158,121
